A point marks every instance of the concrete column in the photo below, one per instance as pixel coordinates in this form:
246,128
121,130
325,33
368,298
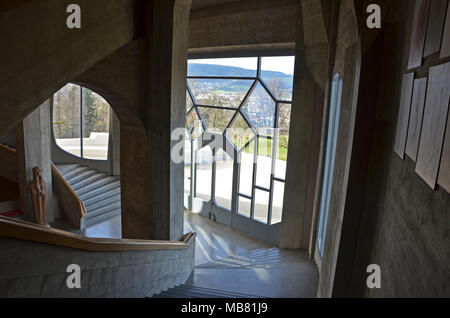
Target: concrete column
114,144
168,28
299,156
33,150
135,180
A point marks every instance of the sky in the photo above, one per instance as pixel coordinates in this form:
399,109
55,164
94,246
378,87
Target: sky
284,64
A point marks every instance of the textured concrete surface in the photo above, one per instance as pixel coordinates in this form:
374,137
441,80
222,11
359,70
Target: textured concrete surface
38,270
58,54
33,150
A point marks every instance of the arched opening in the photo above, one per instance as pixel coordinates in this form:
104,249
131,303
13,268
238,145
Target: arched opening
81,122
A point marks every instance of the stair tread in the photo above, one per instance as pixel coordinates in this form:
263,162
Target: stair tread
102,197
98,185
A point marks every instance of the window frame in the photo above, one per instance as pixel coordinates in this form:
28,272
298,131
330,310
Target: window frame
81,156
257,79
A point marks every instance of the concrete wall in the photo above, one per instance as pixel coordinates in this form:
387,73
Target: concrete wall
30,269
409,221
243,24
40,54
381,211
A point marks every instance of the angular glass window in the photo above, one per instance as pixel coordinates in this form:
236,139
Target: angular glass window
66,119
277,202
226,67
189,102
261,205
204,160
247,158
216,119
264,162
277,72
245,206
260,111
224,179
239,132
96,117
219,92
284,122
194,125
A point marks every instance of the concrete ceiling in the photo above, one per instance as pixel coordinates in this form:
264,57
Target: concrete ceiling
198,4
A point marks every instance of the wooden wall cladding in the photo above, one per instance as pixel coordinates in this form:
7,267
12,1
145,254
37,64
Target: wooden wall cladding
434,123
444,169
436,20
403,116
416,117
418,33
445,50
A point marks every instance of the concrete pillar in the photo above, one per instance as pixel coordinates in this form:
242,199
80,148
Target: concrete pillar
135,180
152,184
167,111
114,144
299,156
33,150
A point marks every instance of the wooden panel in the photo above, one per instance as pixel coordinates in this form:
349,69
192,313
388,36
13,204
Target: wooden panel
434,122
445,49
418,32
436,20
403,115
444,169
416,117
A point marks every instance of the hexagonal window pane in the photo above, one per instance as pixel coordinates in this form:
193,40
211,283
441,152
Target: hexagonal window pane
278,74
216,119
239,132
219,92
260,111
189,102
194,125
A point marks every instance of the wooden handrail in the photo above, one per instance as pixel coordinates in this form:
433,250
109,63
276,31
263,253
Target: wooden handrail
23,230
7,149
60,177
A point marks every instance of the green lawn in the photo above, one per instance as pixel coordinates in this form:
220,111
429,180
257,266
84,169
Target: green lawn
265,147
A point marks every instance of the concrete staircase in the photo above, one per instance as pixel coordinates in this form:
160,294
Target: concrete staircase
189,291
99,192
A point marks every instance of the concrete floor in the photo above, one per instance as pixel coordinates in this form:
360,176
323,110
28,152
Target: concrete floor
281,273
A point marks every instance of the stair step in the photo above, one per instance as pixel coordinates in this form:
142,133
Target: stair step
189,291
103,217
99,204
74,172
103,209
81,176
97,187
64,168
220,292
94,202
82,183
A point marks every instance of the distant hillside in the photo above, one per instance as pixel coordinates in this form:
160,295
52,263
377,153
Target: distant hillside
195,69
